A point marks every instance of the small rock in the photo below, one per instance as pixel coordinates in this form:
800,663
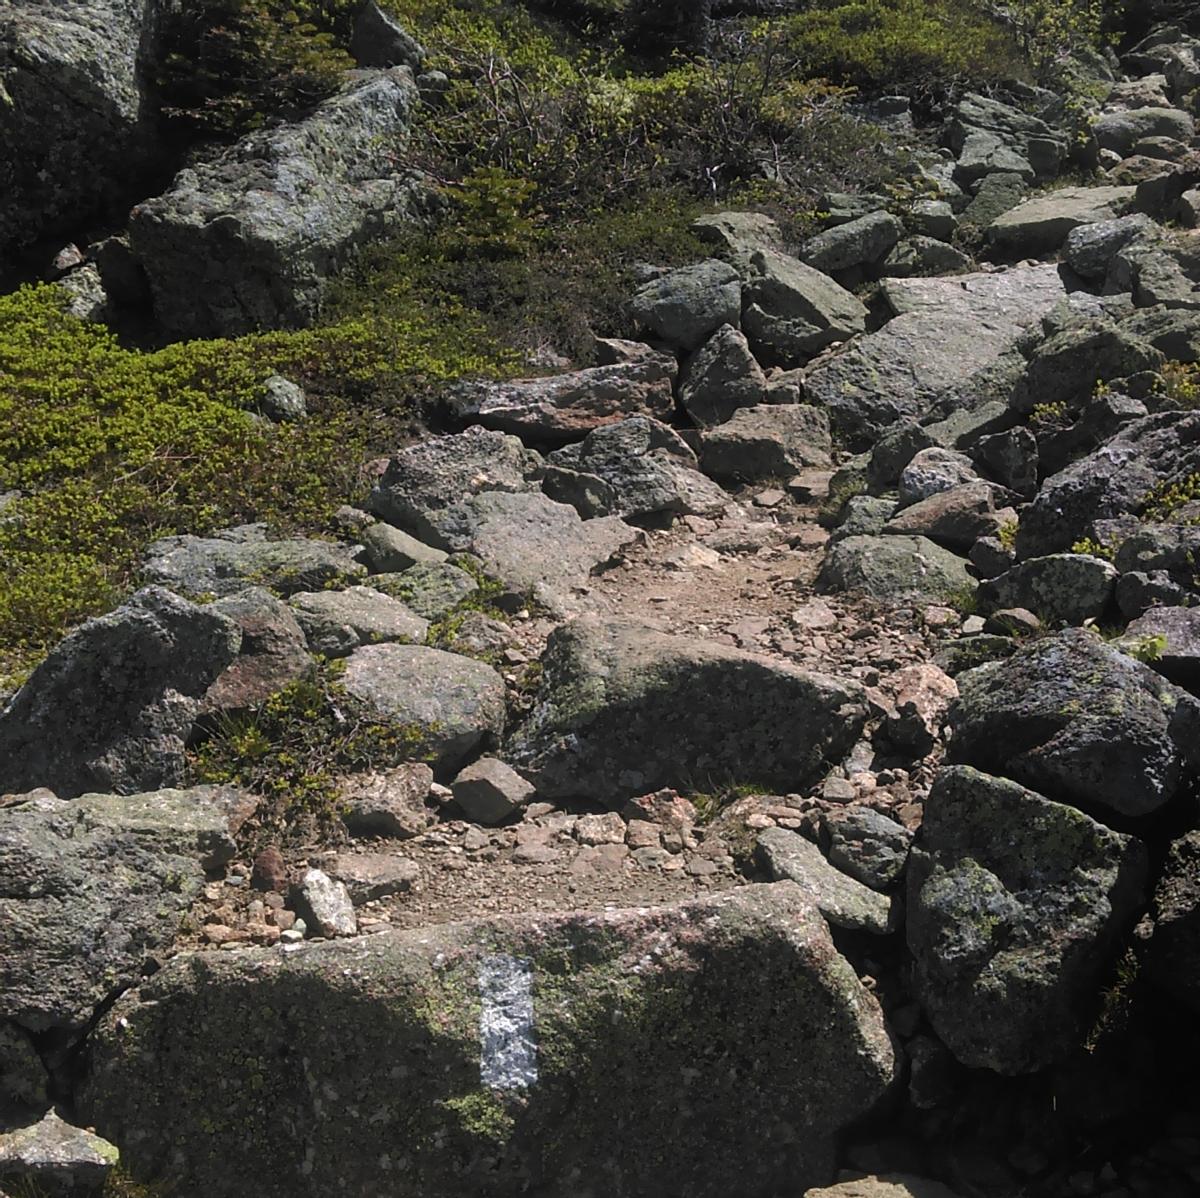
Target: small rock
1013,621
608,828
390,803
391,550
54,1159
270,871
283,400
867,845
325,905
369,876
490,791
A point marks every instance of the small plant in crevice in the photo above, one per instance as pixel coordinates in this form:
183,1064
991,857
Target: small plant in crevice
1115,1002
1164,502
1179,385
1093,548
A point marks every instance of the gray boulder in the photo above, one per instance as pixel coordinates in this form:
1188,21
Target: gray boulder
956,518
933,471
489,791
450,705
112,705
378,40
247,239
1063,588
1173,959
532,1043
895,568
392,803
1091,248
720,377
862,242
863,516
54,1159
1167,638
235,558
1040,225
638,468
338,622
429,590
626,709
1121,131
924,256
995,195
988,136
686,306
767,442
793,311
845,902
867,845
425,484
1016,907
984,153
95,886
736,235
390,550
1080,722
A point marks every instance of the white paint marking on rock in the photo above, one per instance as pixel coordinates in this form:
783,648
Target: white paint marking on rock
508,1060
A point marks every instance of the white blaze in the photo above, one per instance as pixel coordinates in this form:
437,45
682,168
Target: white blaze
508,1060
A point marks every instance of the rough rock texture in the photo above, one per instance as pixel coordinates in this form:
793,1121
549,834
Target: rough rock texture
846,903
390,550
1015,907
247,239
490,791
933,471
792,311
338,622
23,1079
454,704
77,122
886,1185
1173,961
324,905
1171,636
767,442
684,307
1041,224
591,1024
1121,131
626,709
946,331
1066,588
391,803
720,377
92,886
55,1159
638,468
861,242
1079,722
956,518
425,483
378,40
893,568
867,845
1091,247
112,705
235,558
431,590
738,234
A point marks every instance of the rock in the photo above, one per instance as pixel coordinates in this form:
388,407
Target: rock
996,194
1091,248
452,704
970,652
96,885
593,830
956,518
1040,225
946,333
894,568
371,876
390,803
1174,951
548,1094
379,40
112,705
793,311
863,516
684,307
390,550
324,905
283,400
1080,722
338,622
721,377
1121,131
636,469
489,791
1167,638
862,242
235,558
933,471
85,294
78,120
867,845
843,901
23,1077
1024,137
429,590
767,443
840,208
565,407
985,153
886,1185
1016,622
426,484
247,238
923,697
55,1159
271,655
480,635
1011,457
1017,906
625,709
270,871
737,235
1137,592
991,557
924,256
933,218
1063,588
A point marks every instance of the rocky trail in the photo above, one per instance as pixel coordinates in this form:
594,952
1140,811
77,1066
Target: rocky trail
762,761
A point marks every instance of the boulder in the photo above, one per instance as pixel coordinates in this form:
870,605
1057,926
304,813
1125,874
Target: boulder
885,1185
767,442
1016,908
429,590
450,705
844,902
1173,959
736,235
390,550
636,469
866,844
923,697
565,407
1080,722
720,377
1063,588
367,877
425,484
895,569
995,194
235,558
792,311
338,622
54,1159
1040,225
1015,141
933,471
1167,638
984,153
865,241
956,518
947,332
378,40
97,885
112,705
248,238
933,218
531,1045
685,307
625,709
391,803
490,791
1120,131
79,120
1091,248
924,256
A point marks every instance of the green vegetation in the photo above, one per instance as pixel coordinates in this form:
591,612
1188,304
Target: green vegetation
1180,385
1163,503
1006,534
1094,548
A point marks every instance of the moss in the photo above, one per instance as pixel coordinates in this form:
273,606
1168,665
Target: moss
483,1115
